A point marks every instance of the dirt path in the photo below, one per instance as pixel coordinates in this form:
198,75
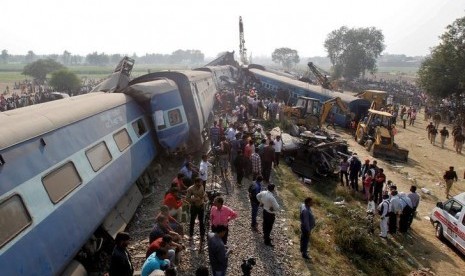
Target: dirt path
425,167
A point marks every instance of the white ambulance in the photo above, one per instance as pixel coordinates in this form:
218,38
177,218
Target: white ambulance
449,219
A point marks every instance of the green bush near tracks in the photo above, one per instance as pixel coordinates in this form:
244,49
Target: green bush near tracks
340,242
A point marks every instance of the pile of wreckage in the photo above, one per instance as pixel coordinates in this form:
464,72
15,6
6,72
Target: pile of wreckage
314,154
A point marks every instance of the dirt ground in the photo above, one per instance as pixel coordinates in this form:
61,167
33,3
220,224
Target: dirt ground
426,165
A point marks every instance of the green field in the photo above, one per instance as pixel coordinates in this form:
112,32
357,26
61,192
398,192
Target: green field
10,73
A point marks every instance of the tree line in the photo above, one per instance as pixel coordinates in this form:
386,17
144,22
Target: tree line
101,59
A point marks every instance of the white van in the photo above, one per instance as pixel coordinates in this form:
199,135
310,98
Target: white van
449,220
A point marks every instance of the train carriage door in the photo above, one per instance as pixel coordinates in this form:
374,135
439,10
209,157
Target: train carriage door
198,107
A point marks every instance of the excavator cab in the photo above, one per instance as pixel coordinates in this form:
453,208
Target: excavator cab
377,132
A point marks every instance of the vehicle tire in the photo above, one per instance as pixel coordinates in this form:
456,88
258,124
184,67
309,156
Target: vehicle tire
439,231
311,122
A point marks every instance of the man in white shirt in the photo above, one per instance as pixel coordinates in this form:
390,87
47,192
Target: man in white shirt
278,146
203,170
231,133
270,208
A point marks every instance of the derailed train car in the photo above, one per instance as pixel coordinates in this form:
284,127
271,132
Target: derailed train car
65,166
180,114
294,88
68,167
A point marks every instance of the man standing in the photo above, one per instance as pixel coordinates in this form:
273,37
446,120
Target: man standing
444,134
256,162
354,169
383,209
196,197
395,209
254,190
221,215
278,146
203,170
267,161
270,208
449,177
214,134
217,252
121,264
459,138
379,180
307,223
415,199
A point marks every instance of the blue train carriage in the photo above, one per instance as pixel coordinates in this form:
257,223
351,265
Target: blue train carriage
161,99
67,169
189,108
295,88
224,75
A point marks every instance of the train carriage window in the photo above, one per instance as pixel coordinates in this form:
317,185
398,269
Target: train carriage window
98,156
174,117
122,139
139,127
14,218
61,182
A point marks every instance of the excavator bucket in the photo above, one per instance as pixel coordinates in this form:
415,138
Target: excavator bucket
389,152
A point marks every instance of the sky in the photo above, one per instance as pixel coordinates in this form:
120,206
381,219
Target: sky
410,27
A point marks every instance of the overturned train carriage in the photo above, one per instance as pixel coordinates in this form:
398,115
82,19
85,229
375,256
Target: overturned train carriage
180,104
65,168
281,85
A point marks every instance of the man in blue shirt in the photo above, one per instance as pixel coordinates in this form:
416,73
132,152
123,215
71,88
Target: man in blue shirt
307,223
157,260
217,251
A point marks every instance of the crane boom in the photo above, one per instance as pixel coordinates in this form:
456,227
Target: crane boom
322,79
242,49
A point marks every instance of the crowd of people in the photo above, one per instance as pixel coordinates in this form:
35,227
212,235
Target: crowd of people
396,209
238,147
27,93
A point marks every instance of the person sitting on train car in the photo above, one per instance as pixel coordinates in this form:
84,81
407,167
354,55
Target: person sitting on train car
121,264
173,201
156,261
162,228
172,222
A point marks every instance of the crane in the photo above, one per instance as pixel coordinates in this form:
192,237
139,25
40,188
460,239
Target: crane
242,49
322,79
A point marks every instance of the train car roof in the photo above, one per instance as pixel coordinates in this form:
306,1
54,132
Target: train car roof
24,123
191,74
304,85
213,68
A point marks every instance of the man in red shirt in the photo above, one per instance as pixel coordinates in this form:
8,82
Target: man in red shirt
173,202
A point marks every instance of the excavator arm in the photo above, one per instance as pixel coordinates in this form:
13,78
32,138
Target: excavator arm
326,108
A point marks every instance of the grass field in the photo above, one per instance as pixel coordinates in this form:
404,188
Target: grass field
11,73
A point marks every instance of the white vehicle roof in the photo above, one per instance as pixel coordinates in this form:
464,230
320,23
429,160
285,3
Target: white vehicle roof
460,198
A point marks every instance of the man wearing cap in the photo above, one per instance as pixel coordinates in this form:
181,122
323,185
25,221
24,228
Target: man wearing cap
449,177
121,264
270,208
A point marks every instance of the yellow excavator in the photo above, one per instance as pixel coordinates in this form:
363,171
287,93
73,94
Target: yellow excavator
377,132
378,98
311,113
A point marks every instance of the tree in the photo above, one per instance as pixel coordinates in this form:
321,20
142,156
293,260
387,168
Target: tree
4,56
286,57
354,51
442,73
39,69
30,57
65,81
66,57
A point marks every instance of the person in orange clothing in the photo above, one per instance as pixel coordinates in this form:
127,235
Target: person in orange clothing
174,202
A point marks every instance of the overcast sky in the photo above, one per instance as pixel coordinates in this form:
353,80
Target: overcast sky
410,27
